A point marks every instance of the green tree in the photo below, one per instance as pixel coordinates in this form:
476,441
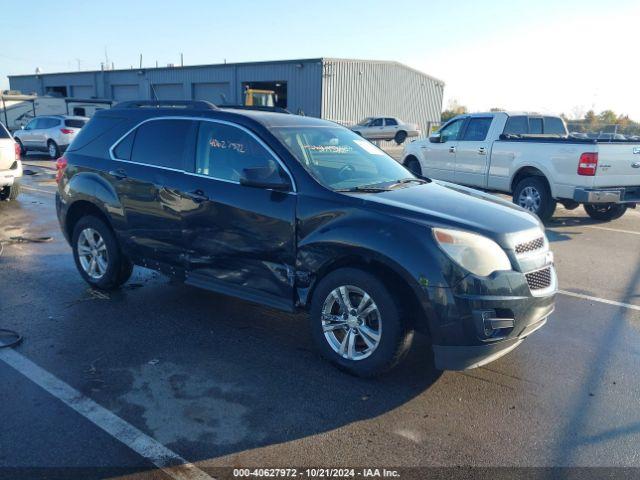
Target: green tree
454,109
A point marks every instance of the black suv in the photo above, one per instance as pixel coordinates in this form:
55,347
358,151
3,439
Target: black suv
299,213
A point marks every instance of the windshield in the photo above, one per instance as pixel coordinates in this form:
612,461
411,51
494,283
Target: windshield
340,159
365,121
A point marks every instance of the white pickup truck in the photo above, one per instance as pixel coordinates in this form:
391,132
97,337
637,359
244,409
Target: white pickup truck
533,158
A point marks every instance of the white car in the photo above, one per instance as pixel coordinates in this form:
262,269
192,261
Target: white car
386,128
51,134
533,158
10,166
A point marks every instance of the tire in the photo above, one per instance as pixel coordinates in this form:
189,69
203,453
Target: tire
605,212
532,194
388,336
114,269
10,193
23,150
53,150
413,165
400,137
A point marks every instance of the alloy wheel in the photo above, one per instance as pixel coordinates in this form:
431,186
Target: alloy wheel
92,253
530,199
351,322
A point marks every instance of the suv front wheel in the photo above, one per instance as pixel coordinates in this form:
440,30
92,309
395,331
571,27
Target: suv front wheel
98,256
357,324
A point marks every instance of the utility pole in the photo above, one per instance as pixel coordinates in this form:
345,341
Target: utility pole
140,61
78,60
181,60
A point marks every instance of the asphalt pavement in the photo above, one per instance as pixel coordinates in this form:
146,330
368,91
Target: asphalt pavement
103,382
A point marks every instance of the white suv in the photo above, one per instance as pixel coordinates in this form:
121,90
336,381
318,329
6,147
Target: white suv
51,134
10,166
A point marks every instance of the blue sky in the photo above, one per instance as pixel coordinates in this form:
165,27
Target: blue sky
538,55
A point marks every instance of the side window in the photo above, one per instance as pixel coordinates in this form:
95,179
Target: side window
451,131
162,143
223,151
31,125
376,122
516,125
51,123
123,149
390,122
535,125
477,129
554,126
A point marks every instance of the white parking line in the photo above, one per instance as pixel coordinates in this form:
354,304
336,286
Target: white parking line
168,461
613,229
598,299
31,189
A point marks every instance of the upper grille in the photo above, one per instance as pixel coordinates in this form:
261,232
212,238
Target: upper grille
539,279
530,246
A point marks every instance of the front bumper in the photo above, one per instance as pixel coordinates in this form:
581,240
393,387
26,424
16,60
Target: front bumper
607,195
9,177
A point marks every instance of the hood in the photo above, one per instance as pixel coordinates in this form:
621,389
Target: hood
448,205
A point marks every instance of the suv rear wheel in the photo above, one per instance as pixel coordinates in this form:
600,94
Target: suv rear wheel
10,193
532,194
98,256
53,150
606,211
357,324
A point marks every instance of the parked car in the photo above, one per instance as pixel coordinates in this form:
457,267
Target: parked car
301,214
533,158
51,134
10,166
386,128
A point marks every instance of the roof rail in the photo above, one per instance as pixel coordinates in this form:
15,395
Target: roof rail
193,104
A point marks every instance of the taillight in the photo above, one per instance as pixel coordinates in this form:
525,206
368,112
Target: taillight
66,131
588,164
61,164
17,148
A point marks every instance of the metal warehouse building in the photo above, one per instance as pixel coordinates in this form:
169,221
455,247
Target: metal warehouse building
335,89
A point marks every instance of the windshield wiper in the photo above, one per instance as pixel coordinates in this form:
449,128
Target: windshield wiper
407,180
364,188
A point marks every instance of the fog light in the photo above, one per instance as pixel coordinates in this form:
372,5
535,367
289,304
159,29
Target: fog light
491,324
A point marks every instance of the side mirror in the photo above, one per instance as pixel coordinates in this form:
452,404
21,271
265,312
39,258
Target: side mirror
21,127
435,138
264,177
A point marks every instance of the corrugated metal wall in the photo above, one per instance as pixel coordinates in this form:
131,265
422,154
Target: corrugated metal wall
355,89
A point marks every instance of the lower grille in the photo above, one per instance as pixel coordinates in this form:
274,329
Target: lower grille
539,279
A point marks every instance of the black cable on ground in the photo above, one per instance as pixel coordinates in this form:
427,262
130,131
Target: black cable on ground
14,337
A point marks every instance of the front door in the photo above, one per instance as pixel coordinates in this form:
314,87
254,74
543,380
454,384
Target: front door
148,175
473,153
438,160
239,240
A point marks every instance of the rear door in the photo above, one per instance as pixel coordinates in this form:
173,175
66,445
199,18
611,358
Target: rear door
239,239
438,159
147,171
375,130
390,127
473,152
618,165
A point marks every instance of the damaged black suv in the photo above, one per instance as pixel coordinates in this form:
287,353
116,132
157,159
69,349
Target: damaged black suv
299,213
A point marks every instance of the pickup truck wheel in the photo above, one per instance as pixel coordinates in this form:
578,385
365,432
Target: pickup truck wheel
53,150
605,211
98,256
413,165
532,194
356,323
400,137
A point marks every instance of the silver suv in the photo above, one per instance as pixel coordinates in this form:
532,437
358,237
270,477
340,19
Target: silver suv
51,134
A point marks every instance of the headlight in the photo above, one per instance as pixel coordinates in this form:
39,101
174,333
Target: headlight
475,253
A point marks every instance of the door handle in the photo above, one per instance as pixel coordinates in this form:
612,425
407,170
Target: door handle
119,173
452,149
197,196
482,151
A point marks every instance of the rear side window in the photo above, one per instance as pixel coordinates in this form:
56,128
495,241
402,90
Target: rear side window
223,151
517,125
162,143
123,149
554,126
477,129
96,127
74,123
390,121
3,132
535,126
48,123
